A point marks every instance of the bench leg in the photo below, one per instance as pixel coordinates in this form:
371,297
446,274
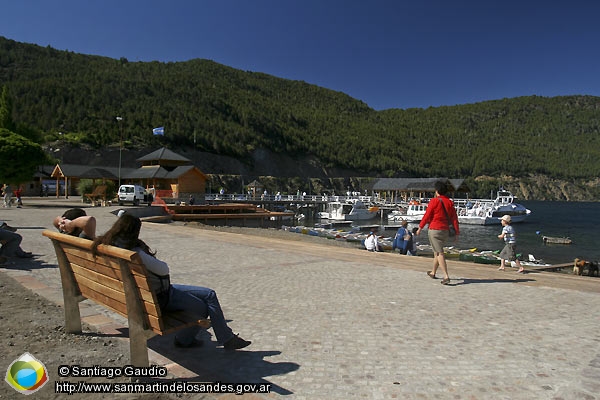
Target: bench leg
72,315
138,326
138,346
71,295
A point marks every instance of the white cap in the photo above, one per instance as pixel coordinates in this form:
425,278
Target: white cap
120,213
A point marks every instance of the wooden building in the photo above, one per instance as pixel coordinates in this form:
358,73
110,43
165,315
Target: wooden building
165,170
403,189
162,170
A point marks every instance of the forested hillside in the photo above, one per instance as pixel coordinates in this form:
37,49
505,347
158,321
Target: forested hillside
221,110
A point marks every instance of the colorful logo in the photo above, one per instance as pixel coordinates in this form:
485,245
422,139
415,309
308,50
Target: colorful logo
26,374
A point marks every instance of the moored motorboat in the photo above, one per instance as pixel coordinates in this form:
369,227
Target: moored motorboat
412,211
415,211
489,212
349,211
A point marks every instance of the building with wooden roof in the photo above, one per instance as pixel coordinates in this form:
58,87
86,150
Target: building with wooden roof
396,189
166,170
162,169
69,175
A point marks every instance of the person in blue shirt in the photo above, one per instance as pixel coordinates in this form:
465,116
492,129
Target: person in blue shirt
509,252
400,240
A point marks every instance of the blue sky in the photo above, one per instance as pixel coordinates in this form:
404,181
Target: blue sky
389,54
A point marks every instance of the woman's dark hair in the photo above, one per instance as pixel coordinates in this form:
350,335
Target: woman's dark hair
441,187
124,233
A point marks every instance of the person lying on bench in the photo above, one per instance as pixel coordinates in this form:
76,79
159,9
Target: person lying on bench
125,234
76,222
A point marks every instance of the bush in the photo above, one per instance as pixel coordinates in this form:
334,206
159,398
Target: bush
88,185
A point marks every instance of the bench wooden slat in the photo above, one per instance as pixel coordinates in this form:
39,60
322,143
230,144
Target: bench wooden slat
107,270
103,259
112,294
112,288
113,253
156,324
85,244
136,265
118,280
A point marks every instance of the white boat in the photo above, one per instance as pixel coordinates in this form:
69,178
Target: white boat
489,212
415,211
412,211
349,211
396,215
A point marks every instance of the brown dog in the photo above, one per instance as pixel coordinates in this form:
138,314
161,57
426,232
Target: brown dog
578,266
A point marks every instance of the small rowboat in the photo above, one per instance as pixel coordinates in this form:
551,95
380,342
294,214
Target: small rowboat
556,240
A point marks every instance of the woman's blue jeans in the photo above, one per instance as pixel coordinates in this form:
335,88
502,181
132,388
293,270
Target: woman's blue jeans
202,301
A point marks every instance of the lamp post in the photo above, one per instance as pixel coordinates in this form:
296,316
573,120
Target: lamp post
119,119
62,155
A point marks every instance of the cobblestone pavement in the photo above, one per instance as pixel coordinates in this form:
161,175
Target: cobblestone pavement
338,323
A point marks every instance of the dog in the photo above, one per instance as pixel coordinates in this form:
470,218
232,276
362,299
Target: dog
593,269
578,266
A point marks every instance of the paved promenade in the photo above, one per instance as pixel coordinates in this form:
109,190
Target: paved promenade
328,322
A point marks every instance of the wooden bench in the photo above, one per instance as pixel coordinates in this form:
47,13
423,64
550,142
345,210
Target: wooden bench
118,280
99,193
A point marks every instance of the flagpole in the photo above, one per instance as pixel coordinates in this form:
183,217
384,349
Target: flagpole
119,119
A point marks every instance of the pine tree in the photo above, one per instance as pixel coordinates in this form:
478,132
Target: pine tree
6,120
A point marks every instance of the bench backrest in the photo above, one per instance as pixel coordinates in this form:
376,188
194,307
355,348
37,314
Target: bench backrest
104,278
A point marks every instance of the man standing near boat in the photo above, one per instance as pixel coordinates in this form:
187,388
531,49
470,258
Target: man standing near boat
403,239
509,252
440,215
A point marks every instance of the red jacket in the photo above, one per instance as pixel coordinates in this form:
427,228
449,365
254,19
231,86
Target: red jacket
436,217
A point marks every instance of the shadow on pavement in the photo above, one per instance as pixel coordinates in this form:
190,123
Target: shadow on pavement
467,281
215,364
26,264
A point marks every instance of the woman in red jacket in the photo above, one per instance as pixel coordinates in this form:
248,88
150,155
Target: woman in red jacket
440,215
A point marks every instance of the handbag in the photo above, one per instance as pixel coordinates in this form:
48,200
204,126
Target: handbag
451,229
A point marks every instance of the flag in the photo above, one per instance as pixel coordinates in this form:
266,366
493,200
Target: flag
159,131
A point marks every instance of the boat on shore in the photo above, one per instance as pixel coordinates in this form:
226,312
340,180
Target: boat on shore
357,237
489,212
556,240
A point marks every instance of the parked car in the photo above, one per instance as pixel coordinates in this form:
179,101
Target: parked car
134,194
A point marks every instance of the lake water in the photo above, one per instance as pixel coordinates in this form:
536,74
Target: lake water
576,220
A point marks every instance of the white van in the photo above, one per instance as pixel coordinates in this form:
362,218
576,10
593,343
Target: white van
133,194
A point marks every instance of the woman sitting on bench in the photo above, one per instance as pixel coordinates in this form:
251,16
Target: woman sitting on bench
125,234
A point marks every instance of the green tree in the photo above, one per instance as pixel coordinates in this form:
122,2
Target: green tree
6,120
19,157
